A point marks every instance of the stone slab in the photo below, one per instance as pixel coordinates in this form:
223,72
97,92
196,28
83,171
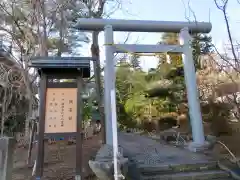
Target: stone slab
141,148
6,160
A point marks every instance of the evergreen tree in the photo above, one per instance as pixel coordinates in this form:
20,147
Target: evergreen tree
201,44
63,38
135,61
170,88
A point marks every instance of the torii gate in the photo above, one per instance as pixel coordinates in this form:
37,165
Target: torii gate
111,25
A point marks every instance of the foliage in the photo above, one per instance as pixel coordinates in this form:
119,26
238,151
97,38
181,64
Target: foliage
159,93
129,85
16,107
87,109
215,110
135,62
63,38
201,44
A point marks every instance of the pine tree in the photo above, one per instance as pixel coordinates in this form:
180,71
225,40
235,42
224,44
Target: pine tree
172,95
63,38
201,44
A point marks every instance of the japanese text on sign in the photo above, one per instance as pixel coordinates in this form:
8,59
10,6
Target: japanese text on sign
61,110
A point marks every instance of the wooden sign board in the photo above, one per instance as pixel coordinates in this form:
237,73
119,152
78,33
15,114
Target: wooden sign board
61,110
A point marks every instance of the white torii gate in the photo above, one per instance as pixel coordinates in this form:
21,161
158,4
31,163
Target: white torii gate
111,25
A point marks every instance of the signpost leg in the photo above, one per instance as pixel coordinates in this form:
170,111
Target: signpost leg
79,135
31,142
40,154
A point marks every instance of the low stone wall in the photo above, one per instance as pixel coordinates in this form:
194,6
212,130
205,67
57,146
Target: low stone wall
6,157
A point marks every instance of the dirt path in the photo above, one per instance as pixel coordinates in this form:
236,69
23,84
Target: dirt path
63,167
59,161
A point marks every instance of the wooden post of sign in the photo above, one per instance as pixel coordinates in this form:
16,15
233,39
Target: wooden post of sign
61,105
79,137
40,145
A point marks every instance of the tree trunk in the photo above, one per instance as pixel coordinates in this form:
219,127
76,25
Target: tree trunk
41,19
61,34
97,72
3,111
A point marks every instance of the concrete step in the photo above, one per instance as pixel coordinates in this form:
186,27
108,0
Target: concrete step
208,175
176,168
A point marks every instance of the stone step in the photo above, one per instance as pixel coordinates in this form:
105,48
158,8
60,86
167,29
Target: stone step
208,175
175,168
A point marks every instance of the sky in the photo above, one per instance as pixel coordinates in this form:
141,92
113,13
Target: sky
172,10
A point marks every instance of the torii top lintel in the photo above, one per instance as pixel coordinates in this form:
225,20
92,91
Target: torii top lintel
88,24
